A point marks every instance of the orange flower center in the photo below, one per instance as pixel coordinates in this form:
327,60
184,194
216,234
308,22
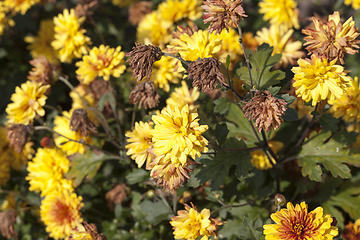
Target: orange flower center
298,229
61,213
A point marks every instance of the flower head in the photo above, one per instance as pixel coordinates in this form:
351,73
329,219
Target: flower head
101,62
317,79
28,101
43,71
18,135
280,12
352,231
355,4
86,232
5,19
69,36
332,39
223,14
175,10
138,10
166,70
259,158
296,223
190,224
20,5
80,121
60,212
145,95
182,96
7,222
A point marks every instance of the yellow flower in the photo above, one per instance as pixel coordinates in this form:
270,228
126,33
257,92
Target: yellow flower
41,44
154,30
140,143
182,96
10,201
190,224
280,12
20,5
317,79
27,102
295,223
47,170
5,21
280,38
101,62
80,233
60,213
175,10
177,135
69,36
166,70
62,126
260,160
355,4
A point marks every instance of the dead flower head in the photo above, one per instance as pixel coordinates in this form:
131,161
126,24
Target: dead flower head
43,71
84,9
222,14
138,10
7,221
18,134
205,72
80,121
142,57
89,229
145,95
116,195
265,110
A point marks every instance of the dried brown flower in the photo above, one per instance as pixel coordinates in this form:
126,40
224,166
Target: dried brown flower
18,134
80,121
90,229
142,57
145,95
222,14
116,195
43,71
265,110
205,72
83,9
180,30
138,10
352,231
7,221
99,87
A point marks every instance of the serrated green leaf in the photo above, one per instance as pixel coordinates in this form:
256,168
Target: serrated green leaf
221,105
349,201
136,176
331,153
221,132
274,90
329,123
255,228
155,211
288,98
290,115
261,64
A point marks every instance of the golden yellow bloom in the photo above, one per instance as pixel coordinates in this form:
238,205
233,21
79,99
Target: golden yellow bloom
280,38
261,161
280,12
295,223
28,101
190,224
62,127
175,10
60,213
69,36
10,202
20,5
41,44
355,4
5,21
140,144
182,96
101,62
177,135
80,233
47,170
166,70
317,79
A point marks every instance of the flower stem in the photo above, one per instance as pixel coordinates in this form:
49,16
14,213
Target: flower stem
230,206
177,57
247,60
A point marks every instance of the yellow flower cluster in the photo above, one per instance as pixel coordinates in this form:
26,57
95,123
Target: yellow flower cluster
280,12
261,161
5,20
355,4
20,5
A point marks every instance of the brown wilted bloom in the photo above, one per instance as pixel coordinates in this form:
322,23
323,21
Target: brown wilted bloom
43,71
332,39
265,110
80,121
205,72
7,221
180,30
138,10
83,9
87,231
18,134
142,57
99,87
145,95
116,195
222,14
352,231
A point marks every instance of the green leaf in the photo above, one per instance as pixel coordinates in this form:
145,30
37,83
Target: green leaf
290,115
217,168
255,228
261,63
287,98
349,201
221,132
274,90
86,165
329,123
221,105
155,211
227,61
136,176
331,153
107,97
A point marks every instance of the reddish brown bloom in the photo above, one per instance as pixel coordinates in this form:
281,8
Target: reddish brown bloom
84,9
18,134
138,10
43,71
116,195
80,121
145,95
7,221
352,231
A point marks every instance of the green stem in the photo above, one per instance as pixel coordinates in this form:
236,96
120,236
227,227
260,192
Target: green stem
247,60
229,206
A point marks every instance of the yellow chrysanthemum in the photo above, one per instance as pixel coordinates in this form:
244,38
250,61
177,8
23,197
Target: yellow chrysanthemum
5,21
154,30
280,12
101,62
182,96
260,160
46,171
140,143
280,38
10,201
62,127
60,213
80,233
191,224
317,79
69,36
166,70
20,5
41,44
295,223
355,4
28,101
198,45
175,10
177,135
